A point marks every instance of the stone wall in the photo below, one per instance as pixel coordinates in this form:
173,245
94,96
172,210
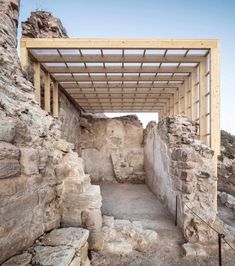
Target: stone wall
177,164
36,163
42,24
113,149
69,117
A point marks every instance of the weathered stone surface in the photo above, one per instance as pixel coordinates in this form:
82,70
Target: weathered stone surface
59,255
227,200
177,163
121,234
113,149
9,151
42,24
29,204
7,131
9,168
90,199
193,250
63,145
119,246
92,220
71,236
29,161
19,260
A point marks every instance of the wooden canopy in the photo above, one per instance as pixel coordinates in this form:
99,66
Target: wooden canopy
165,76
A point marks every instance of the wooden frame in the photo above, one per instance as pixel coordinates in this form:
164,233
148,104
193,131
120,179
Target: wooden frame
109,75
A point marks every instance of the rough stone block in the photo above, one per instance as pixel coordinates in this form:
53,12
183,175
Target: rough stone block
61,255
119,246
29,161
9,151
71,216
63,145
90,199
71,236
19,260
190,249
9,168
7,131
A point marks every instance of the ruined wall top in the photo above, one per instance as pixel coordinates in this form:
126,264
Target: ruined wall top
42,24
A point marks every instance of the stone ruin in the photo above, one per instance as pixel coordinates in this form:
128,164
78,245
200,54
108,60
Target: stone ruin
50,169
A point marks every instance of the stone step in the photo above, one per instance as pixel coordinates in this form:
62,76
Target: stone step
63,246
75,185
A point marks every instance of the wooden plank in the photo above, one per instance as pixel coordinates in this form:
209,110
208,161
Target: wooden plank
55,99
116,58
98,69
130,85
47,104
37,82
86,78
58,43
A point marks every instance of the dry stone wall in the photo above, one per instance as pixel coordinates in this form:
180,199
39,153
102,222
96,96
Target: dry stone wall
32,188
177,164
42,24
112,149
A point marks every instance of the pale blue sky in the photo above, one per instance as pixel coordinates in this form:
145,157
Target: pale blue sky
154,19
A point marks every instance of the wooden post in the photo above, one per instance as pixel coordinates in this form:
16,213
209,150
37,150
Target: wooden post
24,57
55,99
215,105
193,96
172,105
202,101
37,82
179,105
47,103
186,96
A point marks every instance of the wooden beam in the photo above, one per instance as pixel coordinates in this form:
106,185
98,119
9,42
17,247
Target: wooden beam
130,85
98,69
47,100
86,78
55,99
37,82
116,58
58,43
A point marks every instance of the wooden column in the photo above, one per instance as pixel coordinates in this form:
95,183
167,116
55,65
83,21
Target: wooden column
193,96
172,105
186,96
202,101
55,99
37,82
179,105
24,57
47,96
215,105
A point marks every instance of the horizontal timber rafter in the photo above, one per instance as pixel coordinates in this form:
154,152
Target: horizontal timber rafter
86,78
115,58
119,69
124,86
57,43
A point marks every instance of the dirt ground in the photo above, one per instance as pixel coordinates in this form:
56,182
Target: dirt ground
137,202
